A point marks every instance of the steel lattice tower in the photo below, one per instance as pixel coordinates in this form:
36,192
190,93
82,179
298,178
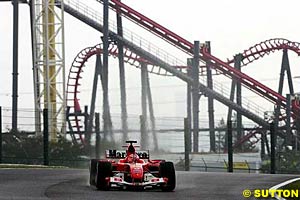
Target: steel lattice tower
49,64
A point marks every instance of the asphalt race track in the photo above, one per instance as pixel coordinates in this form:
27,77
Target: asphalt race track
73,184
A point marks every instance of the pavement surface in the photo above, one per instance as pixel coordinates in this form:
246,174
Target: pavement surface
73,184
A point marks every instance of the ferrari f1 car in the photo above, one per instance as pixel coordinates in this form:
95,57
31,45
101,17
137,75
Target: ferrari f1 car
131,169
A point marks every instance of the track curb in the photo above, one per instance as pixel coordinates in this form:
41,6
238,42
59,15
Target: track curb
276,187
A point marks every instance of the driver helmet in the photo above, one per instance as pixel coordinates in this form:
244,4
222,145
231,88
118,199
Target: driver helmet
132,158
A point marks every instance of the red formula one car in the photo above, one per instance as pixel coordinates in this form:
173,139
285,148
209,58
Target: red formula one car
131,169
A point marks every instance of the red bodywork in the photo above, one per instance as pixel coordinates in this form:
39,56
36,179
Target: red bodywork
134,169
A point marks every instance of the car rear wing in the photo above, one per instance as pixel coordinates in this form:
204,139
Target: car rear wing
117,154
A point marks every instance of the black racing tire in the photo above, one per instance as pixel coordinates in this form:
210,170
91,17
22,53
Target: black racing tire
167,170
104,169
93,171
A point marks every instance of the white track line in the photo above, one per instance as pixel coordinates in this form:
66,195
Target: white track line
281,185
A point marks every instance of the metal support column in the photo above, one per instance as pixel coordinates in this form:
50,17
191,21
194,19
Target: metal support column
143,130
229,115
286,63
46,137
122,79
229,147
189,103
196,95
237,65
15,65
86,128
232,92
97,72
151,113
98,138
273,148
49,64
187,141
285,66
211,119
36,87
144,135
288,120
262,145
106,115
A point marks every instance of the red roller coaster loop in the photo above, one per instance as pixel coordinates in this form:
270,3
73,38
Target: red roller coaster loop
78,64
265,48
76,69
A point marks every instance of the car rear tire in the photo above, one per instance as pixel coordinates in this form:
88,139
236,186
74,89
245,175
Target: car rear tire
167,170
93,171
104,170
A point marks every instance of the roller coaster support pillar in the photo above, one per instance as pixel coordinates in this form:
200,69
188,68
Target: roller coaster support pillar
285,66
144,136
86,127
151,113
187,143
98,69
143,132
273,148
36,87
189,102
106,115
196,96
0,134
212,135
288,120
229,115
229,146
46,137
122,78
15,65
237,64
98,138
262,146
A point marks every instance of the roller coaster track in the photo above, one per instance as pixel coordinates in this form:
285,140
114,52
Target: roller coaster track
254,53
188,47
159,62
259,51
73,6
265,48
75,76
249,56
131,58
249,82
